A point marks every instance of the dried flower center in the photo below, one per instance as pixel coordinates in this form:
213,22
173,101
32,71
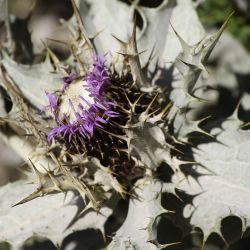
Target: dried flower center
74,101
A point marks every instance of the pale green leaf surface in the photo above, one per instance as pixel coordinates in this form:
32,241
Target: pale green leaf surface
223,189
232,60
190,64
139,228
26,151
185,20
156,32
33,80
46,216
148,141
108,18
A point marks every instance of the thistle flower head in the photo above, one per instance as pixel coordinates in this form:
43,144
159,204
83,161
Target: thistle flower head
82,104
86,112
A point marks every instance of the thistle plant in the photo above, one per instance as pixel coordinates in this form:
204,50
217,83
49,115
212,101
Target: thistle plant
107,127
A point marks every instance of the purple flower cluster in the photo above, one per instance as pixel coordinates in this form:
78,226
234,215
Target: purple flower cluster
86,114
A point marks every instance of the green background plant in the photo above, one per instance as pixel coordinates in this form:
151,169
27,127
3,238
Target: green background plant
213,13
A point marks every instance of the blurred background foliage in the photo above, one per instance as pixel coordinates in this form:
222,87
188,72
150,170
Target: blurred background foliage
213,13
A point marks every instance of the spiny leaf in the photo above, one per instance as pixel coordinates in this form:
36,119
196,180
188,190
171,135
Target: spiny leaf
27,151
191,61
139,229
154,32
110,18
222,189
148,141
33,80
184,18
190,64
43,217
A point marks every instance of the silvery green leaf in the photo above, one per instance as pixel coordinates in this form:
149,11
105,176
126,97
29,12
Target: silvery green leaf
190,64
48,216
222,189
148,141
185,20
26,151
109,18
154,35
33,80
115,18
139,229
232,59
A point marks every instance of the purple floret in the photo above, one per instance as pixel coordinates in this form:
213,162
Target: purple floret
52,101
98,78
67,80
96,115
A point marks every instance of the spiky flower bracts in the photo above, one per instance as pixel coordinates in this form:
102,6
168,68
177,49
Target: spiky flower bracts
101,115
